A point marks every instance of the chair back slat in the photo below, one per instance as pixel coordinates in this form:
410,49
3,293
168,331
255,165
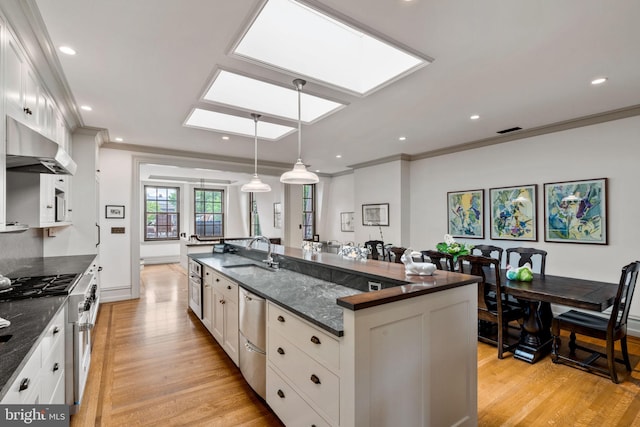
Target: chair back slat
622,302
525,256
480,266
437,257
372,245
487,251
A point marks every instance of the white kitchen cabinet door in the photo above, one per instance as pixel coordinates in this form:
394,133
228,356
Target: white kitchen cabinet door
13,61
47,199
231,334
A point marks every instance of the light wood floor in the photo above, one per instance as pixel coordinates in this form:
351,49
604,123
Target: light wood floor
154,364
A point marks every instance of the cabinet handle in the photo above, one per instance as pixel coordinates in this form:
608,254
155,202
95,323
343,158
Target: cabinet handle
217,280
280,319
56,366
207,273
314,379
27,111
315,339
229,287
49,207
24,384
56,330
281,394
280,350
222,301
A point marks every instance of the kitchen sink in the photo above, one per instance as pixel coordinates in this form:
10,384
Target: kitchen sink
248,269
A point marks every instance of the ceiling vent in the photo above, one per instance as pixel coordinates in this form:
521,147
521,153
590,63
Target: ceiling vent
509,130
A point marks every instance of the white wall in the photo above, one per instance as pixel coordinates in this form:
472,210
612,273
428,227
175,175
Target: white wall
265,203
608,150
339,199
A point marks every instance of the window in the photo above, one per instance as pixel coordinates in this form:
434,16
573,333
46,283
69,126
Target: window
308,211
254,218
161,213
208,212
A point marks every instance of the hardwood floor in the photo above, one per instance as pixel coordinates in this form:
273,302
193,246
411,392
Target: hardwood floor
155,364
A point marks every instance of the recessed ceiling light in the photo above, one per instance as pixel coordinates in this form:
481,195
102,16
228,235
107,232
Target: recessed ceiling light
598,81
257,96
225,137
338,156
402,138
118,139
219,122
86,108
67,50
474,117
285,35
317,170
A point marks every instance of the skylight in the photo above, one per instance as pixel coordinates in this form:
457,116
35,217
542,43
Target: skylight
212,120
261,97
296,38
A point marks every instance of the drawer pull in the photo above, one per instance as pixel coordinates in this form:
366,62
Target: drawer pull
315,339
280,350
56,330
56,366
314,379
222,301
24,384
280,319
281,394
229,287
217,280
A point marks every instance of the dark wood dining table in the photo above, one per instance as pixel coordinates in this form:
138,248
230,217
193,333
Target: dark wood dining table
536,298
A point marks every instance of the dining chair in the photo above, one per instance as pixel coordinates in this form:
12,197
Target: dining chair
525,256
487,251
397,252
610,330
497,310
437,258
372,245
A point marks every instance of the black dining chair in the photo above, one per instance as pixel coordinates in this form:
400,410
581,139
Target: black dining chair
610,330
525,256
397,252
437,258
488,250
493,309
372,245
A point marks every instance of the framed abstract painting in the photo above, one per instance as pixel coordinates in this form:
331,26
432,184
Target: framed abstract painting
465,214
514,213
576,211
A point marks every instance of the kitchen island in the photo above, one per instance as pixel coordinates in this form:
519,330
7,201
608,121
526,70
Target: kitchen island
342,355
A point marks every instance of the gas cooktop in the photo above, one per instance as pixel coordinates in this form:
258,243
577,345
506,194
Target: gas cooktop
38,286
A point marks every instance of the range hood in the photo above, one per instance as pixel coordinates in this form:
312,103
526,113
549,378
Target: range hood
29,151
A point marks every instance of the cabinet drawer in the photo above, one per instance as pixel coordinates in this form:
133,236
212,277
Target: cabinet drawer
53,334
318,344
288,405
318,383
29,378
52,372
226,287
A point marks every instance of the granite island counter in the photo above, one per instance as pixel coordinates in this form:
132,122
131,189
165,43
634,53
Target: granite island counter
406,354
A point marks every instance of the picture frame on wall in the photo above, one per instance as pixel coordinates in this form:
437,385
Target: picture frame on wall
465,214
576,211
375,214
347,221
514,213
114,211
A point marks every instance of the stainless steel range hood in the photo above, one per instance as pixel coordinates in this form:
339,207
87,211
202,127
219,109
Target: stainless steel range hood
29,151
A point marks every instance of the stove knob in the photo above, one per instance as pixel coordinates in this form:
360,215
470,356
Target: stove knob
87,305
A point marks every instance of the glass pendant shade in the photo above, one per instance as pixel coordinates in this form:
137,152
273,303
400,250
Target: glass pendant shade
255,185
299,174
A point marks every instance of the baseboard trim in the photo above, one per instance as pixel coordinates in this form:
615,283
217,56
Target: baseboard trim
171,259
115,294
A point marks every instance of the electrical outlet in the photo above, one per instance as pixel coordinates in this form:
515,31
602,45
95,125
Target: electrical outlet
375,286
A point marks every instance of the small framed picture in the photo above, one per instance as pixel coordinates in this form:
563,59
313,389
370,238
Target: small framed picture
377,214
514,213
465,213
114,211
346,221
277,215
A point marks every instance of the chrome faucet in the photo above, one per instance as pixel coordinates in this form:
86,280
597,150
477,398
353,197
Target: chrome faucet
269,261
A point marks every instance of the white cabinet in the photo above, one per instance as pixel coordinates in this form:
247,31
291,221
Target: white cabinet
41,380
303,364
31,198
224,313
207,299
21,85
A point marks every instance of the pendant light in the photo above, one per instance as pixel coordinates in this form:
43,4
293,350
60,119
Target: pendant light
299,174
255,185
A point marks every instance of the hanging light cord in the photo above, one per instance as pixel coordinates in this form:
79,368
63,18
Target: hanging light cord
299,84
255,149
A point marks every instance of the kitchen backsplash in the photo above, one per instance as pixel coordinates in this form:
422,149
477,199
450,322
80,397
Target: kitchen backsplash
14,247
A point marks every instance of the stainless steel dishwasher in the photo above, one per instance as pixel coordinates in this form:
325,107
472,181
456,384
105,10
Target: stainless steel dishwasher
253,340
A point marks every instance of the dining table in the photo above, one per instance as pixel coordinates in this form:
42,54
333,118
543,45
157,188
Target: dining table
536,297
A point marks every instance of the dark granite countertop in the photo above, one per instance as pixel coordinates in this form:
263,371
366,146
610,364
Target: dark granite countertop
310,298
30,317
